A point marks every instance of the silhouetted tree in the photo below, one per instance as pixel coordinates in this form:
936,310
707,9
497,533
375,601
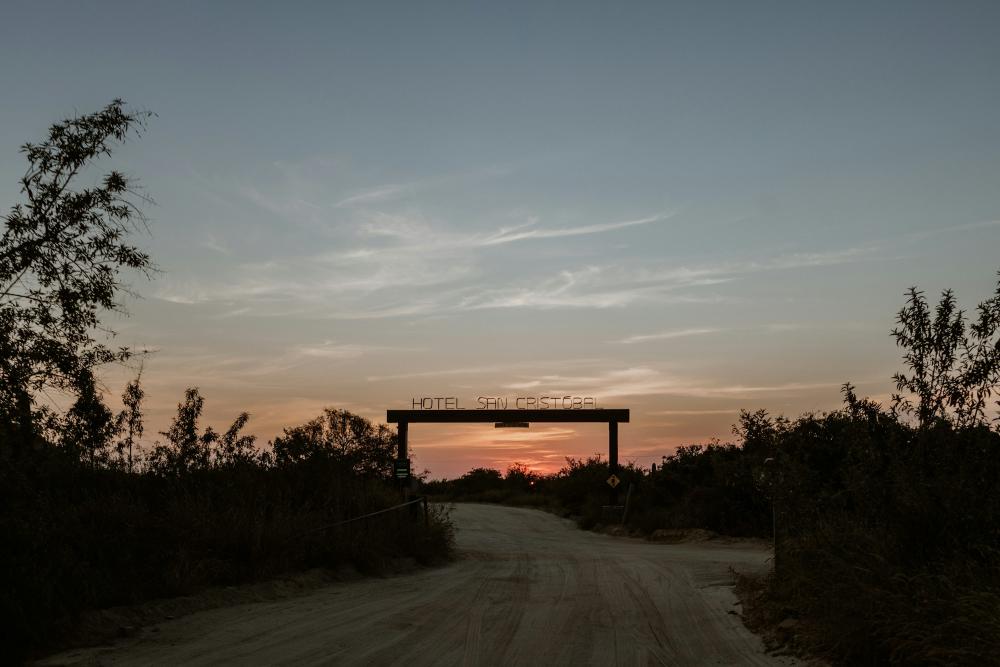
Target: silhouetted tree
234,449
479,480
340,435
129,420
62,253
954,369
185,448
758,432
89,425
520,477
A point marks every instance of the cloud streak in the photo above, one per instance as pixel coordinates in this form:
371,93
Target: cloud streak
370,260
371,283
644,381
512,235
666,335
375,195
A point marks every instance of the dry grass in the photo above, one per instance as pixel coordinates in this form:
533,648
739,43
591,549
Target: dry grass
79,539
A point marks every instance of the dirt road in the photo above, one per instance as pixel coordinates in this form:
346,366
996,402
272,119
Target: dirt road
528,589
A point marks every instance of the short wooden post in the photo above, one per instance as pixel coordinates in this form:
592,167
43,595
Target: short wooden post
628,497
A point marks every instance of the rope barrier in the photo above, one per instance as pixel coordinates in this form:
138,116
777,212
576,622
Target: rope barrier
422,499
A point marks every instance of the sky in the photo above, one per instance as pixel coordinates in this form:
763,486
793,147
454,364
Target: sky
685,209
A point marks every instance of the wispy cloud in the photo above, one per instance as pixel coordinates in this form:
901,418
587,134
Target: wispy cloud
725,411
536,435
392,191
487,369
332,350
237,366
520,234
967,227
377,283
212,243
374,195
590,287
285,205
235,312
415,253
372,257
469,370
666,335
616,286
774,327
419,235
409,228
643,381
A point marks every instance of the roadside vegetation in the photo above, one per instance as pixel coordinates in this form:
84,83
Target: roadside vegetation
89,518
887,516
709,487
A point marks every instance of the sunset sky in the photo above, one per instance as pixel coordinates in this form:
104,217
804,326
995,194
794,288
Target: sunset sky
682,209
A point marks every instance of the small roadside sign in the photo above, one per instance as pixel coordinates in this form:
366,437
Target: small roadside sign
401,468
613,481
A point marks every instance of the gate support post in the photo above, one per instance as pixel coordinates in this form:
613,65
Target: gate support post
613,457
404,483
402,429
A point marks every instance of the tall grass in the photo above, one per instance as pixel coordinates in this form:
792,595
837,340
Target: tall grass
889,539
79,538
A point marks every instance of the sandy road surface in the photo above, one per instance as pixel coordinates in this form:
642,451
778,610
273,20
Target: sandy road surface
527,589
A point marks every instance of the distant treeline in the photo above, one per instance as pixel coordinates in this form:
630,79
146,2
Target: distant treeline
887,517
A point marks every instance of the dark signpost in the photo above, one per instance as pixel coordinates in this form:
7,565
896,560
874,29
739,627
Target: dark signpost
401,468
513,418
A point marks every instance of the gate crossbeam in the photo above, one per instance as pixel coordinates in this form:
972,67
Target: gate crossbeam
475,416
612,416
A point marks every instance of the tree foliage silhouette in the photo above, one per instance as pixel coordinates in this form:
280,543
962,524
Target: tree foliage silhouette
62,255
129,421
89,425
954,368
354,441
186,449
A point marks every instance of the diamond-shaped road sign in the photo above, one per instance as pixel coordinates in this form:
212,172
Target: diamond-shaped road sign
613,481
